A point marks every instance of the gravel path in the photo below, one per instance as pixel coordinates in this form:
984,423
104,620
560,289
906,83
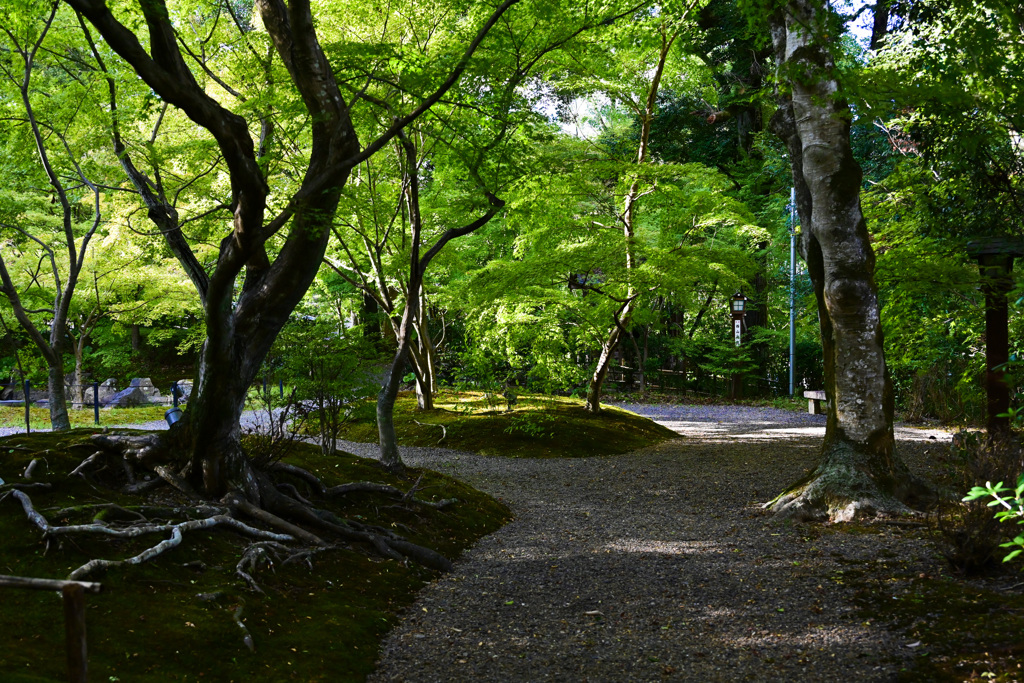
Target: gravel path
656,565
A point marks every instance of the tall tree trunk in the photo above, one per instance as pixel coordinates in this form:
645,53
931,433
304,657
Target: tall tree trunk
78,391
389,455
58,402
859,472
601,372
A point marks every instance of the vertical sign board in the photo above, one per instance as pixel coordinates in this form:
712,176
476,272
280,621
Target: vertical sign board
737,328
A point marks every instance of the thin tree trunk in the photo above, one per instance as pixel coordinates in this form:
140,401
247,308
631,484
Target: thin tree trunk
389,455
423,359
601,372
859,472
58,402
78,391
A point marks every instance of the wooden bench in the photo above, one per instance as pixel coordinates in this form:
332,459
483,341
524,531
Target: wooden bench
815,399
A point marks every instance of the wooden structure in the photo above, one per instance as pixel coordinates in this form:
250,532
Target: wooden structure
73,593
815,402
995,257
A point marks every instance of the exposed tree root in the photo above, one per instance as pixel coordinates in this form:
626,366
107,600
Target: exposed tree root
30,470
841,489
246,566
294,493
304,475
238,503
177,531
88,462
444,432
247,638
294,518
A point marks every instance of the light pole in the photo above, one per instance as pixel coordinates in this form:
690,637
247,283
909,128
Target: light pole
738,306
793,232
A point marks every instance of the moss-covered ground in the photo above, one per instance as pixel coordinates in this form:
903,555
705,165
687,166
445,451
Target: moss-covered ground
957,629
172,618
533,427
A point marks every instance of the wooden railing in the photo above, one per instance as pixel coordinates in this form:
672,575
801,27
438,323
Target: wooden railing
74,616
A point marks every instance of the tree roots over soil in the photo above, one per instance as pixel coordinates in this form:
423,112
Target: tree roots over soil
299,585
284,521
842,488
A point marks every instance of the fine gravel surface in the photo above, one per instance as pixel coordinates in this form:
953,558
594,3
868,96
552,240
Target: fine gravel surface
656,565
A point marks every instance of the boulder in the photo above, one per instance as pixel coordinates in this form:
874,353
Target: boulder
16,392
132,396
184,389
146,385
105,390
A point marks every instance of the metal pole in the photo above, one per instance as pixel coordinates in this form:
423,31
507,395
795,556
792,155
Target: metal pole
792,291
96,401
28,404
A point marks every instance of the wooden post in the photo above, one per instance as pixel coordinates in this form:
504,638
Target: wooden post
74,616
28,408
74,632
995,264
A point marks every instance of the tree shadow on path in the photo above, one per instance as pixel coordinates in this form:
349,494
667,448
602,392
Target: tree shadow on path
656,565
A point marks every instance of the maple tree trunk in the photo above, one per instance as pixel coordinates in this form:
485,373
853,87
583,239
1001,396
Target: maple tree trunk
601,372
859,471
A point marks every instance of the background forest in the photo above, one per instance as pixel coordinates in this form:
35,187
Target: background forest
611,183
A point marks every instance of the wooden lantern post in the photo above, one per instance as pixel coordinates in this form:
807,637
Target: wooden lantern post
995,257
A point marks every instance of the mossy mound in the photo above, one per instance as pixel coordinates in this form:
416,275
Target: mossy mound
320,618
532,427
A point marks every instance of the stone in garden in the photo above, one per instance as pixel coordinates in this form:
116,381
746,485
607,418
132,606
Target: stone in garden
17,393
132,396
146,385
106,390
184,389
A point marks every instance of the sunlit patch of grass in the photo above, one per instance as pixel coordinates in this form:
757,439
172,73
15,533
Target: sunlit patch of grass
14,416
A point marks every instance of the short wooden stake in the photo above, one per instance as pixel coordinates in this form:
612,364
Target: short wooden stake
74,631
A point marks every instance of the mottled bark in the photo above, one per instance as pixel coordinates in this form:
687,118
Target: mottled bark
859,470
597,377
240,329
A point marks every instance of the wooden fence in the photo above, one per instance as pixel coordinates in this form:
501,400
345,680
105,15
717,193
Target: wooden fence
73,593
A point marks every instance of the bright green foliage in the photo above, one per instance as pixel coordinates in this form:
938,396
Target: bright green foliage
945,91
553,294
1012,500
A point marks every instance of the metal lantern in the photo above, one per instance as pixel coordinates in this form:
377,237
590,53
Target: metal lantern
738,305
